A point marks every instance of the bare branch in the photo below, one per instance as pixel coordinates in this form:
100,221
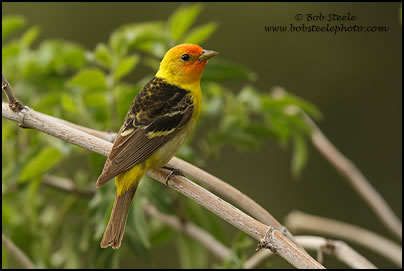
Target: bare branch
67,186
339,249
205,178
268,236
356,179
17,253
352,174
32,119
212,182
299,221
12,101
231,193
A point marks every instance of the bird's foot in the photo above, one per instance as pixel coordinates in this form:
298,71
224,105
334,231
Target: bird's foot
174,172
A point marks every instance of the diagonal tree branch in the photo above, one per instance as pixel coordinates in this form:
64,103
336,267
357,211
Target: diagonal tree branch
348,169
267,236
338,249
17,253
207,179
212,182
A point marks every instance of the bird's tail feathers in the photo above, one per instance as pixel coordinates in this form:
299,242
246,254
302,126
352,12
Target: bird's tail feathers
116,226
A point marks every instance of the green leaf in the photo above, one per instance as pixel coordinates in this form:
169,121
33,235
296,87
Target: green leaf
260,130
141,225
187,153
4,262
95,99
151,62
103,55
13,171
161,234
68,103
89,79
59,56
240,247
157,195
214,107
126,66
11,24
48,102
242,242
201,33
149,37
10,52
237,137
125,94
300,155
205,219
29,36
41,163
248,95
306,106
137,246
192,254
219,70
182,19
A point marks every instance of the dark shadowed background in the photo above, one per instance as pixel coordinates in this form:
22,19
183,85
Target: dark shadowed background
353,78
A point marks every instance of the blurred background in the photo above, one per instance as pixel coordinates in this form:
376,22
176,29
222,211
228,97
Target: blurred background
354,79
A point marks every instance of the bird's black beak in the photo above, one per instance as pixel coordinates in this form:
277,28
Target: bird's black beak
206,54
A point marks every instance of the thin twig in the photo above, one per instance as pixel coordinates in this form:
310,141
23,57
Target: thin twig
299,221
339,249
32,119
257,259
351,173
16,252
356,179
268,236
12,101
67,185
193,231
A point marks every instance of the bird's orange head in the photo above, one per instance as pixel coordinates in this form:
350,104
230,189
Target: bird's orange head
184,64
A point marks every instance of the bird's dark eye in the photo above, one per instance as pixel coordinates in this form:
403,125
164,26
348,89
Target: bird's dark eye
185,57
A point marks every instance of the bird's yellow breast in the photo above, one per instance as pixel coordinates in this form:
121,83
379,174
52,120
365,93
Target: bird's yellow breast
168,150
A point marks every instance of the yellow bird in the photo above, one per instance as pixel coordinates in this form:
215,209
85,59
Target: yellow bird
161,117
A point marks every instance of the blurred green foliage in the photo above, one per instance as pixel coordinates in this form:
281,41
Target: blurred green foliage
93,89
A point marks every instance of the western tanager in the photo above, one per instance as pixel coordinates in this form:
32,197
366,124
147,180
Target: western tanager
161,117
